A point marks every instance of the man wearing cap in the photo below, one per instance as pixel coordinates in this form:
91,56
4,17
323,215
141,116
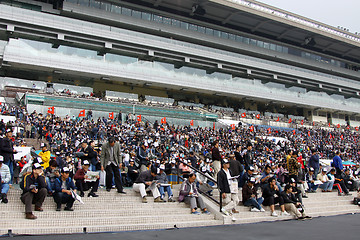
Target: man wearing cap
310,178
110,162
271,195
5,179
248,156
249,196
83,185
45,156
246,176
326,185
63,186
216,157
7,151
314,162
292,204
163,184
133,172
228,187
34,190
145,182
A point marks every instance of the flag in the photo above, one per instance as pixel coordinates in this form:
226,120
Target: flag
251,128
329,125
357,128
243,115
138,118
214,125
269,130
232,126
163,120
302,122
330,136
82,113
347,127
294,132
342,137
258,116
192,123
338,126
313,123
309,133
51,110
278,119
111,115
290,120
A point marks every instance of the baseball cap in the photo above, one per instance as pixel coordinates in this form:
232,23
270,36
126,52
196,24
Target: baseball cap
251,168
65,170
36,166
162,167
292,180
225,161
311,169
86,162
9,130
42,145
252,180
1,158
324,170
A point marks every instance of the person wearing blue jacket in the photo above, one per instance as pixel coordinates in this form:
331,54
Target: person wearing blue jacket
63,186
337,163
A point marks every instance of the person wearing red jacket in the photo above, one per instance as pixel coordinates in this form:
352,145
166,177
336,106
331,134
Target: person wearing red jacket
81,181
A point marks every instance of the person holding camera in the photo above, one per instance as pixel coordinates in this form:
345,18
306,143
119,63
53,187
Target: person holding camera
34,190
292,205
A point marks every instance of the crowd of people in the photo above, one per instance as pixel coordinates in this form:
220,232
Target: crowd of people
150,157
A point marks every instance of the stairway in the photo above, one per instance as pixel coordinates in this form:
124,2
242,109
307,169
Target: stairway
109,212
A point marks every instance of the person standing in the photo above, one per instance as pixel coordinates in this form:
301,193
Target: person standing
45,156
337,162
5,179
8,151
216,157
110,162
228,189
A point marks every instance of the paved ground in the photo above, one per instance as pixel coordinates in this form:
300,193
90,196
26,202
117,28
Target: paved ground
329,228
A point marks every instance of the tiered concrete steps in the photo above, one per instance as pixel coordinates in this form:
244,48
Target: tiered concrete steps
318,204
109,212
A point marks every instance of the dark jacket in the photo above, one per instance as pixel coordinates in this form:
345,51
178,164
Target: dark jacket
144,177
92,155
235,168
80,174
7,149
247,192
215,154
239,158
30,179
288,198
269,192
314,161
248,159
185,190
69,184
222,182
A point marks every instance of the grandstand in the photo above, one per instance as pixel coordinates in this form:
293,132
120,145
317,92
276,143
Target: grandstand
207,61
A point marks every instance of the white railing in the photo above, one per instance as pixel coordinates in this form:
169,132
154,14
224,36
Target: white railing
297,19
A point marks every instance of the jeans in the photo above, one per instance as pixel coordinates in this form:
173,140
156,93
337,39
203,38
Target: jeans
50,185
5,188
325,186
11,168
167,189
312,186
92,168
252,202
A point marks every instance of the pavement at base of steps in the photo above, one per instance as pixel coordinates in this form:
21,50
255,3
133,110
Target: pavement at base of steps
334,227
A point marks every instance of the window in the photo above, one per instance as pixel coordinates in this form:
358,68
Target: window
217,33
209,31
157,18
167,21
253,42
184,25
201,29
175,23
224,35
116,9
136,14
239,38
146,16
193,27
126,11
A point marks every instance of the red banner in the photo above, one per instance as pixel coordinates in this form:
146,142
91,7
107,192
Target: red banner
51,110
82,113
111,115
192,123
138,118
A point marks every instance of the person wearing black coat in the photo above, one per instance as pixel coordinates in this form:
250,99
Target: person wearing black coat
7,151
292,204
271,195
227,192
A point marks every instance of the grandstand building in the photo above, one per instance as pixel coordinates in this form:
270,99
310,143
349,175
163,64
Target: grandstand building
234,53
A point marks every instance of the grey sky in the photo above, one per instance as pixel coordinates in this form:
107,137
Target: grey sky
345,13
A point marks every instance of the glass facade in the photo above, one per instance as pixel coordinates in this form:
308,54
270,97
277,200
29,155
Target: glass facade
209,31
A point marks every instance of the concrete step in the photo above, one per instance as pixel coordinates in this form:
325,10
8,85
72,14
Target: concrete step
110,221
31,229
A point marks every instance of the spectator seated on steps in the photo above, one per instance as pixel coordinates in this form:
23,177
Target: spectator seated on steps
5,177
163,184
291,203
51,174
146,182
83,183
250,198
63,186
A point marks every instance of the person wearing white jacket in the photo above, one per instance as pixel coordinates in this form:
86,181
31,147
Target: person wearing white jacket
5,179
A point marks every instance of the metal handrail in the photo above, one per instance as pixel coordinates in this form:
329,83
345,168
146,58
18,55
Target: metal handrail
208,177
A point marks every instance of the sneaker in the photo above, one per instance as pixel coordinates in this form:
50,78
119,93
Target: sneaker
262,210
274,214
254,210
300,218
305,196
5,200
206,212
341,194
285,213
144,200
195,213
308,217
348,194
122,192
225,212
233,219
171,200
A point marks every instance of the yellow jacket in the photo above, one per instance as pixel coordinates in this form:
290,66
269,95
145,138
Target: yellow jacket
45,156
